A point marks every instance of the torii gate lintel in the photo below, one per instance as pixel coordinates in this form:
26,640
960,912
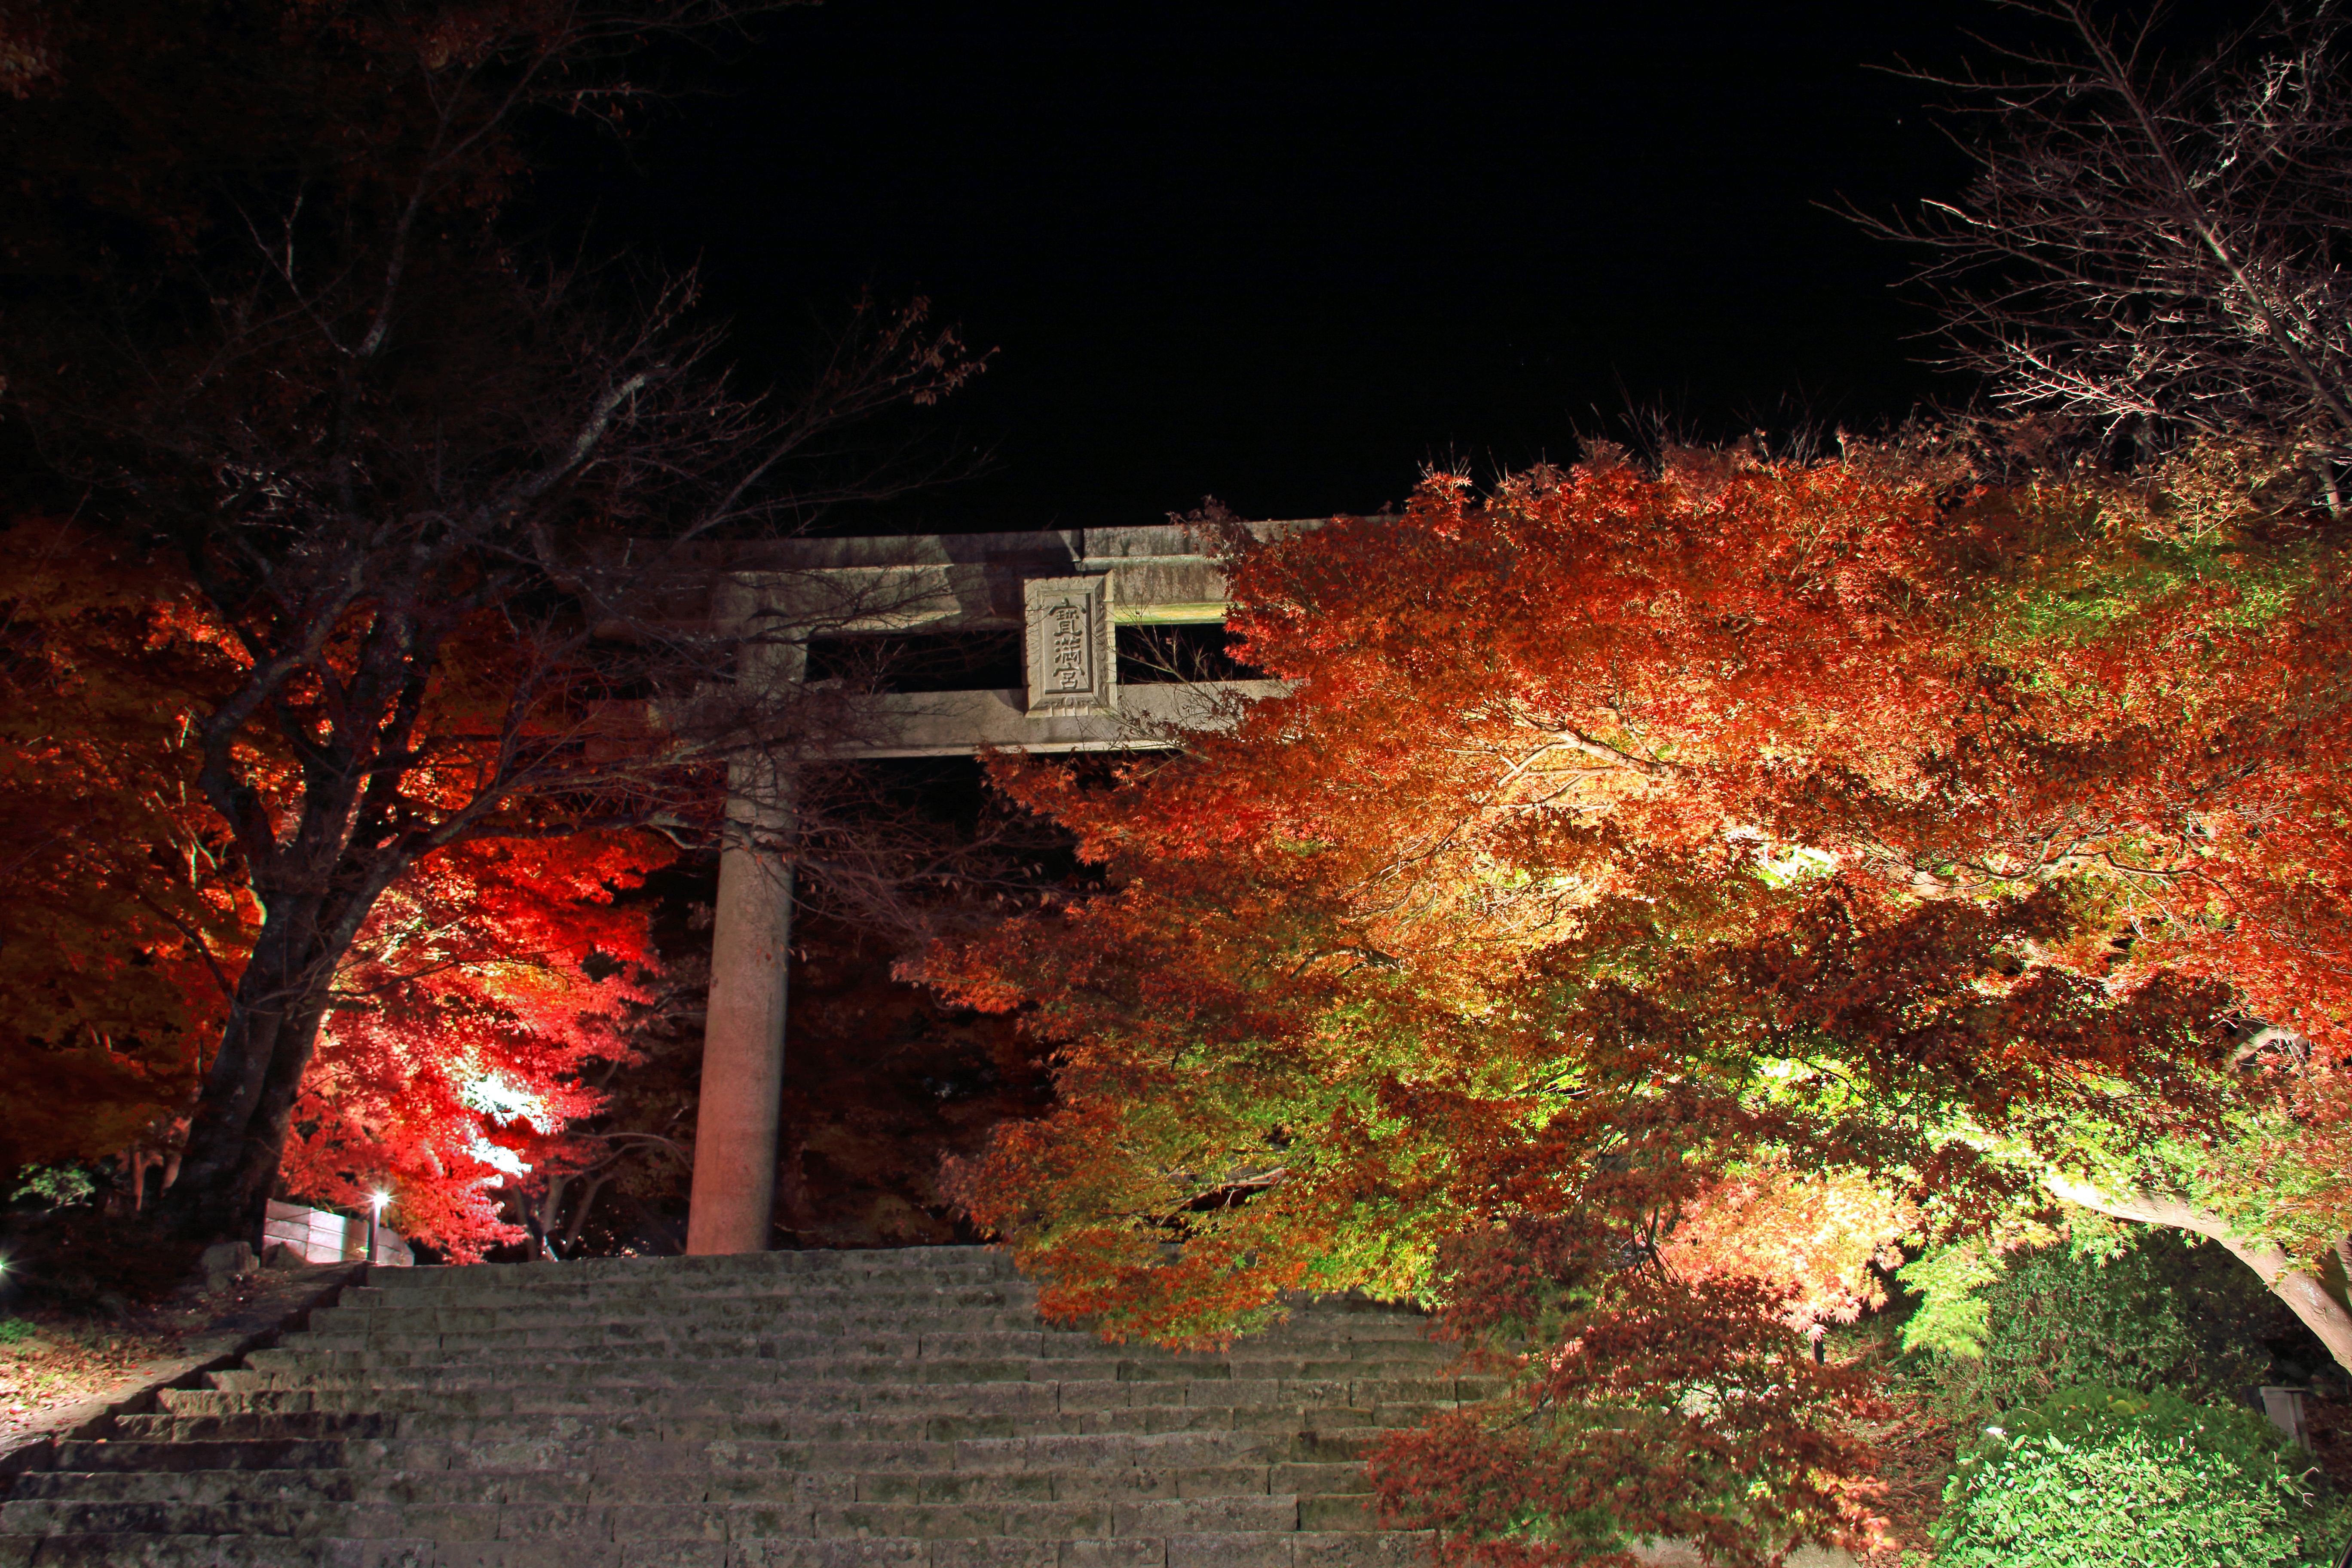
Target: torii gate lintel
1068,590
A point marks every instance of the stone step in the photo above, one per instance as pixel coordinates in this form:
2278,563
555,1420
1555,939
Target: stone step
361,1421
929,1266
676,1385
907,1408
79,1551
596,1450
319,1477
589,1449
494,1288
806,1402
355,1415
1297,1550
300,1510
1247,1380
771,1340
1220,1403
844,1295
498,1436
586,1326
491,1326
847,1302
296,1357
421,1369
1268,1360
478,1432
503,1328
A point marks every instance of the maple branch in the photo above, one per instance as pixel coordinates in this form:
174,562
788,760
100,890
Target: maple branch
1372,957
1575,740
2298,1287
196,938
2146,253
680,1150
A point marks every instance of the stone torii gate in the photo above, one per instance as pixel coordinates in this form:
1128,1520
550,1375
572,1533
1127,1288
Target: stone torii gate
1068,591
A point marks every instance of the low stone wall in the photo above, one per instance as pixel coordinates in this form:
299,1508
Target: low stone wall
322,1236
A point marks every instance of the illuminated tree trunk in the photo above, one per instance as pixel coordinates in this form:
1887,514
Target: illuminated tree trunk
237,1134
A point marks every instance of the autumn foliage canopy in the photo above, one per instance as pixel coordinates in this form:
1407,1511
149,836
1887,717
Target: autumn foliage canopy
1715,874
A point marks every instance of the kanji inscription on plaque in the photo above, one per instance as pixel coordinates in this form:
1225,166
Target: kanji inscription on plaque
1071,663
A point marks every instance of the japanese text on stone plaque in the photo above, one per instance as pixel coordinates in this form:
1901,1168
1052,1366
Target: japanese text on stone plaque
1068,667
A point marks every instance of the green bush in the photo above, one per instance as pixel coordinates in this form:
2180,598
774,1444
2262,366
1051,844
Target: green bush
2139,1309
55,1187
2100,1477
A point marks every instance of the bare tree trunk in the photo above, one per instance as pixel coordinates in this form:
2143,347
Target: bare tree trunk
579,1220
2298,1287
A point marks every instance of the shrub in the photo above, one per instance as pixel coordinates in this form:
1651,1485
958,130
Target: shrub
2097,1477
54,1186
2141,1310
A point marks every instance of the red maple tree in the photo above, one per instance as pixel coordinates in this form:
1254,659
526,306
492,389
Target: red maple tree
481,988
461,1051
443,490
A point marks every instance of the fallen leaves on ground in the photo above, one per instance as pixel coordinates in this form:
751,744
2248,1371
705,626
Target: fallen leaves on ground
52,1360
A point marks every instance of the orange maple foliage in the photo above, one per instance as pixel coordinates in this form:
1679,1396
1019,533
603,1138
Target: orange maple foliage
1958,693
1627,842
124,935
1816,1237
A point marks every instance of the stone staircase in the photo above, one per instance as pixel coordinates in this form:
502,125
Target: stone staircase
783,1410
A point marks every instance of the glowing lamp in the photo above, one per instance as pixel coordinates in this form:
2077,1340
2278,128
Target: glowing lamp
376,1200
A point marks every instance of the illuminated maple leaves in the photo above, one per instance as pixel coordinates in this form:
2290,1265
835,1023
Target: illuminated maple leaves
124,933
481,998
1632,1407
1741,866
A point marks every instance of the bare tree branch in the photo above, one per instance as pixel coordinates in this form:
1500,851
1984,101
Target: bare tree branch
2155,251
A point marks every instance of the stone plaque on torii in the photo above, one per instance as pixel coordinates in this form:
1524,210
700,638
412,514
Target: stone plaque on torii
1068,591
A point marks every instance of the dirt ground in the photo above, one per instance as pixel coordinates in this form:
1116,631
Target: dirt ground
52,1361
1915,1461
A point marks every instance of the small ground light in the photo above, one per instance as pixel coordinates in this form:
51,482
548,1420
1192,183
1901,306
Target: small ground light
376,1200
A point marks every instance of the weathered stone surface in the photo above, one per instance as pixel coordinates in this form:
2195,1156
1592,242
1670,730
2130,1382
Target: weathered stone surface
874,1408
887,1409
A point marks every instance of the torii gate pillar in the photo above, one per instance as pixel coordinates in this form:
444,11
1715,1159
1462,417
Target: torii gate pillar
1065,589
732,1205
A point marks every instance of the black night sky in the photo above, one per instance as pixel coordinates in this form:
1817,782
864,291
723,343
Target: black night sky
1289,254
